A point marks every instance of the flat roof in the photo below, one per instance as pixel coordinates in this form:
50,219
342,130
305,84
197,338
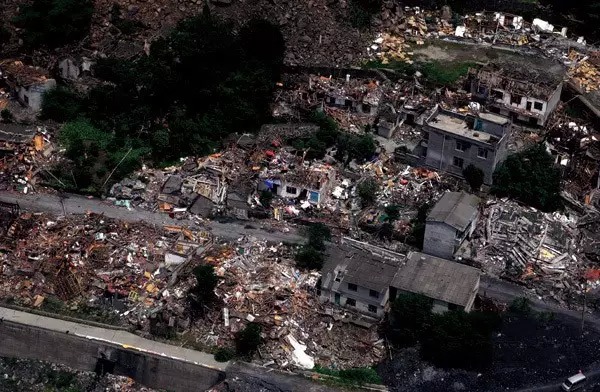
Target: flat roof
495,118
437,278
16,133
458,127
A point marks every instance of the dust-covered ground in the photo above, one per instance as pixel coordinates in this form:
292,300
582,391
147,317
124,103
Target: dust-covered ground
528,352
20,375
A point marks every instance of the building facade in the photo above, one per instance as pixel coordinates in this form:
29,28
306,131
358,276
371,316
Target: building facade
452,141
451,221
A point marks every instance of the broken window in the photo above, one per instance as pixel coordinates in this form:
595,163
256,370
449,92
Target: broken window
461,146
497,94
458,162
424,152
291,189
372,308
373,293
352,287
538,106
482,153
366,108
351,302
515,99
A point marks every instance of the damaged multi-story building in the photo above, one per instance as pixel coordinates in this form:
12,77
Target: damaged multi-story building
452,141
26,83
523,92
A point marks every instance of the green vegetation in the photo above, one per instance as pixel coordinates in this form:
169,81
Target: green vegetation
453,339
520,305
393,212
386,231
202,295
358,147
444,74
367,191
248,340
199,84
311,255
530,177
354,376
474,177
54,23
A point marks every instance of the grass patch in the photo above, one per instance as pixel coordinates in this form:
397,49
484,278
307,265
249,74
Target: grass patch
445,74
349,377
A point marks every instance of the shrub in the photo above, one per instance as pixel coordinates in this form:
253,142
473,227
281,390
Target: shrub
248,339
317,234
520,305
61,104
392,212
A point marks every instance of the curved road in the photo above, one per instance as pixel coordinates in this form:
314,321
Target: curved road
76,204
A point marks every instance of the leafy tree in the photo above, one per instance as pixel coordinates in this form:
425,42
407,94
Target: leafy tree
362,11
202,294
224,354
409,314
531,177
386,231
393,212
248,339
317,234
61,104
417,231
349,147
474,177
367,191
309,258
54,23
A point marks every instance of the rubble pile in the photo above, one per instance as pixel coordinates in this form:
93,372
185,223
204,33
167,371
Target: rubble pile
527,246
133,270
584,73
261,284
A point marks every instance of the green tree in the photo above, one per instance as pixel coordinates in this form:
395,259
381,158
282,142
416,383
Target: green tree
386,231
309,258
360,148
54,23
531,177
474,177
202,295
248,340
362,11
393,212
317,234
61,104
409,315
417,231
367,191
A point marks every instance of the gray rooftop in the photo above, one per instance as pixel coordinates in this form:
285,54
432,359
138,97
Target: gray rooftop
437,278
495,118
457,126
455,209
352,265
16,133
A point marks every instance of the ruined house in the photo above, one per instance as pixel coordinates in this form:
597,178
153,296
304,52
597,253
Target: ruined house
28,84
451,285
523,92
237,204
365,282
452,141
360,96
311,183
451,221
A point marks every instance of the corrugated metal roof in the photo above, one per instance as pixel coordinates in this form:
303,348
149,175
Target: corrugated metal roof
437,278
455,209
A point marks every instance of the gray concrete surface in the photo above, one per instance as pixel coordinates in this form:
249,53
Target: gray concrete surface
79,346
76,204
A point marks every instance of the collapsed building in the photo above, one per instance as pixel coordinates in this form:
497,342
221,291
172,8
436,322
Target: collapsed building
522,92
27,83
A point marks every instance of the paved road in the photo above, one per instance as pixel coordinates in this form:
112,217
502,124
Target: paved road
75,204
592,384
506,292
